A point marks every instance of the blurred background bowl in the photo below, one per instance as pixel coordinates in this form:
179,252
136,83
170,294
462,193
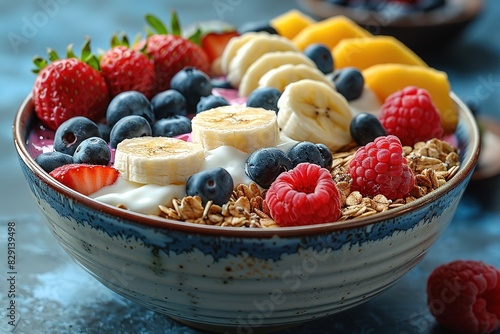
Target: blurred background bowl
228,279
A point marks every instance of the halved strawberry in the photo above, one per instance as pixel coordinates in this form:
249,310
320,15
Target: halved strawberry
86,179
214,43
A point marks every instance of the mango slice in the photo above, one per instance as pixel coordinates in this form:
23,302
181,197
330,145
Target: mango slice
365,52
290,23
385,79
329,32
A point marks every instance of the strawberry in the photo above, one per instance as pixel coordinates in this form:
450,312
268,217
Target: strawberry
85,179
213,43
127,69
171,52
69,87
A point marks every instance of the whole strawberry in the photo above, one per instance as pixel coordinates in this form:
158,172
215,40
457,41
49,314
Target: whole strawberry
411,115
171,52
126,69
69,87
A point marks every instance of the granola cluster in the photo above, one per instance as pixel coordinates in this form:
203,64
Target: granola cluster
433,162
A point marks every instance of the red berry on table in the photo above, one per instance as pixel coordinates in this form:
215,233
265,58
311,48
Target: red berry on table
305,195
379,167
213,43
464,296
171,52
411,115
127,69
66,88
84,178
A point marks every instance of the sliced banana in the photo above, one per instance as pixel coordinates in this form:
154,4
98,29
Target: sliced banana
158,160
311,110
232,48
250,80
249,52
282,76
244,128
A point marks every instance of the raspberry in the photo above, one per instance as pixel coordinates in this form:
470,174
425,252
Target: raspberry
305,195
410,115
464,296
379,167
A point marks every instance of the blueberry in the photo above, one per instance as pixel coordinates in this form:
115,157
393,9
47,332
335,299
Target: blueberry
321,56
93,151
428,5
168,103
51,160
72,132
221,83
172,126
214,184
193,84
129,103
105,129
264,97
257,26
129,127
326,154
210,101
365,127
349,82
305,152
264,165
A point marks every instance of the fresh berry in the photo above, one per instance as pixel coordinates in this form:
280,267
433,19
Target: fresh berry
464,296
264,97
379,167
221,83
257,26
105,129
411,115
193,84
172,126
326,155
264,165
171,52
365,127
93,151
168,104
214,43
72,132
84,178
214,185
349,82
211,101
305,152
321,55
51,160
127,69
68,87
304,195
129,127
129,103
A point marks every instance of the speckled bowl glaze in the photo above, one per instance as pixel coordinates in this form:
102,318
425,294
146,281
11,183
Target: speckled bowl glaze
244,280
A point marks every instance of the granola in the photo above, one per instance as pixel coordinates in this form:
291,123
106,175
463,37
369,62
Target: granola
433,162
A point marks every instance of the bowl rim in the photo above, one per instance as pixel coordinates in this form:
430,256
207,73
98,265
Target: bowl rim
25,114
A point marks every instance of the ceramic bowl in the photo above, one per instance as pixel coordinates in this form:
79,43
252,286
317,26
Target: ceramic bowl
226,279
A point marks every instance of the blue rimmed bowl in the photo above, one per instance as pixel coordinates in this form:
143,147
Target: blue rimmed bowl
227,279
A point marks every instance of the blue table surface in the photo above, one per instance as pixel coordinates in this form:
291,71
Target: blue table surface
55,295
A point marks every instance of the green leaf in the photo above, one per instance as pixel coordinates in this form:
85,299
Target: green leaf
93,61
174,22
86,51
70,53
53,56
40,64
196,36
156,24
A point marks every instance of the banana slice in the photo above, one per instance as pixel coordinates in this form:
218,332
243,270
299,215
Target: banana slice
249,52
284,75
250,80
158,160
244,128
313,111
232,48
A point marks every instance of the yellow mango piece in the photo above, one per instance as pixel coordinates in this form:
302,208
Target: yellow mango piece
290,23
329,32
385,79
365,52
